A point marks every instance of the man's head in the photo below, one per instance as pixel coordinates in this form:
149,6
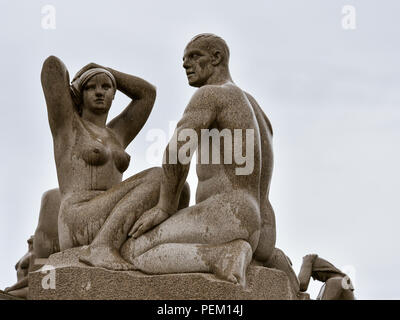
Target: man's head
206,59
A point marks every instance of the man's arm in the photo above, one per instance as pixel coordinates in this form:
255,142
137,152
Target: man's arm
199,114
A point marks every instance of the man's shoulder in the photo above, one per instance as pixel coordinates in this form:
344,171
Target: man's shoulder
214,91
210,89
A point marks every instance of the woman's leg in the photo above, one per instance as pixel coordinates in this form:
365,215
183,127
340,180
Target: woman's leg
82,215
45,240
104,250
144,195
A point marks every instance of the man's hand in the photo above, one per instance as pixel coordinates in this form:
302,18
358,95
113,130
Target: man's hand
89,66
148,220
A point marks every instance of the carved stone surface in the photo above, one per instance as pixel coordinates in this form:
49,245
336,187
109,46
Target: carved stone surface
6,296
75,280
337,285
113,233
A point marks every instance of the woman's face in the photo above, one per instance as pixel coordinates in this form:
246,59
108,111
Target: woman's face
98,94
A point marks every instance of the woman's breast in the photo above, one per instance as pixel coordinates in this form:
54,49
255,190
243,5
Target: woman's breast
95,155
98,153
96,165
121,160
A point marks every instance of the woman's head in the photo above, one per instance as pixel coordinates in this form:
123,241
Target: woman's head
94,91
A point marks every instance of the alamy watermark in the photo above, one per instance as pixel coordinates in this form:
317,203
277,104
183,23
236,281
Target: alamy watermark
348,282
349,17
227,146
48,21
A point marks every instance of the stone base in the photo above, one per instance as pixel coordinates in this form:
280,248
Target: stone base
75,280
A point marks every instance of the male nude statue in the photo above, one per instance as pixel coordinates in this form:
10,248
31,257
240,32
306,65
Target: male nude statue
232,221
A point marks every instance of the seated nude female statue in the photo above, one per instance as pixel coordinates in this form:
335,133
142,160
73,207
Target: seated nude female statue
232,220
90,156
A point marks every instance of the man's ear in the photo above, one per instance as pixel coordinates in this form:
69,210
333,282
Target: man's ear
217,58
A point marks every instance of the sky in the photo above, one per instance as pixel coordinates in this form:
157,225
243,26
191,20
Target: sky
330,93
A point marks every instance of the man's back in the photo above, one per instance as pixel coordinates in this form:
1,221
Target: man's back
237,133
268,229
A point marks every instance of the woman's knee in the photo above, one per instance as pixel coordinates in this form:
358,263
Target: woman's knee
46,234
49,208
43,245
184,199
154,173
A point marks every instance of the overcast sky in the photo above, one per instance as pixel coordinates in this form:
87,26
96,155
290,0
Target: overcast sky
332,96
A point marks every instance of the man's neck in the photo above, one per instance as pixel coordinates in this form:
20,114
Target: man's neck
219,77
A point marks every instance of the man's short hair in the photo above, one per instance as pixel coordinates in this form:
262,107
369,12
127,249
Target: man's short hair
211,41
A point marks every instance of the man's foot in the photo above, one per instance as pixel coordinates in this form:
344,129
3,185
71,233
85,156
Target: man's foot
232,260
105,257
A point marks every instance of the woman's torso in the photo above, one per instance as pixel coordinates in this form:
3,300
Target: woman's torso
88,159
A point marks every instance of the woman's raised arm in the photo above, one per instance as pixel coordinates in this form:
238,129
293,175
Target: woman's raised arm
132,119
56,88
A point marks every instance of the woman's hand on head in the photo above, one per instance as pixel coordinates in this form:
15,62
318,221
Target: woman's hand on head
89,66
148,220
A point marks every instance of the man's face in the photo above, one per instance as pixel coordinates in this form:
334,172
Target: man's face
198,66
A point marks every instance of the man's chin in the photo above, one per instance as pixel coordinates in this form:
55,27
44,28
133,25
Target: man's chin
194,84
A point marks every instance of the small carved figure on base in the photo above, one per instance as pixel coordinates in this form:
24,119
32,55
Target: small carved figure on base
337,285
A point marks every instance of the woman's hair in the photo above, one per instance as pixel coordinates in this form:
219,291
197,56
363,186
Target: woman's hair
78,84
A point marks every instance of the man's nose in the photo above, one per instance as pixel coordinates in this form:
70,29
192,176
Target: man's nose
186,63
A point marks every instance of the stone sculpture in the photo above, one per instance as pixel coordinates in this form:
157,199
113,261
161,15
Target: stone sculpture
23,267
232,221
144,223
90,154
337,285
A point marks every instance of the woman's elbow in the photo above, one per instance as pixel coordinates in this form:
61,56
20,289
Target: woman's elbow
149,97
53,66
51,62
152,93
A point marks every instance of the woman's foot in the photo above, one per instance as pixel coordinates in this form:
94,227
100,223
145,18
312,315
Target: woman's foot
105,257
